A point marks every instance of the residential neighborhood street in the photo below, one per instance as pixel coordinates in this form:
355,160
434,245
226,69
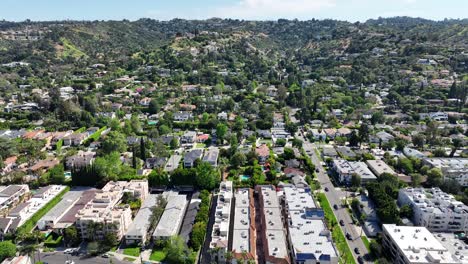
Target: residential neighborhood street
333,197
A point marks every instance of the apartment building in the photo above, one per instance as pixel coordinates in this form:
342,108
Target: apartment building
378,167
414,244
103,215
345,170
53,216
11,195
271,230
434,209
243,238
138,230
172,218
309,239
452,168
220,233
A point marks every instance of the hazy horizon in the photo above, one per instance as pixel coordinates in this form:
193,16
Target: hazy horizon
255,10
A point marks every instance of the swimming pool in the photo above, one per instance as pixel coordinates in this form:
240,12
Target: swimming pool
244,177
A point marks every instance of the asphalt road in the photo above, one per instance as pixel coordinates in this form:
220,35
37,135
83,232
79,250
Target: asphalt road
60,258
333,197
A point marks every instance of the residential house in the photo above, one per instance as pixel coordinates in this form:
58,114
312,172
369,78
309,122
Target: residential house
211,156
189,137
263,153
191,156
183,116
80,160
155,163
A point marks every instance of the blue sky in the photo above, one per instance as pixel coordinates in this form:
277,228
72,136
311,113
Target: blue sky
350,10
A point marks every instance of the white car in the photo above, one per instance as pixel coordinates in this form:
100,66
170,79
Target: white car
68,251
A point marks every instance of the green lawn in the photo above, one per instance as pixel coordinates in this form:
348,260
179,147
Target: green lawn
157,255
337,233
366,242
129,259
132,251
200,145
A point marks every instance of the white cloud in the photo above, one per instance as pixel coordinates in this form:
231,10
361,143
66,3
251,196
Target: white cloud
272,9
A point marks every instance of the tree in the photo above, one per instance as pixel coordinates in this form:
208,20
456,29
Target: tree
56,174
93,248
206,177
142,149
153,107
174,143
7,250
355,180
434,177
354,139
419,140
406,211
221,130
280,142
406,165
363,133
177,252
110,240
7,148
114,141
198,235
238,159
158,178
71,236
416,179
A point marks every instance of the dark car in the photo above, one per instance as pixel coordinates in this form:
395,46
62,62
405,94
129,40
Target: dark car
316,170
360,260
357,251
335,207
341,223
348,236
326,189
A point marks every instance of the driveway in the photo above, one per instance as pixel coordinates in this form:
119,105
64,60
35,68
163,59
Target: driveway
60,258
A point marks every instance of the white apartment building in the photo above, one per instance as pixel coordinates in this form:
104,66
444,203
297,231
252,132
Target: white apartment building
413,244
452,168
434,209
243,234
220,234
172,218
345,170
272,230
11,195
102,215
436,116
309,238
138,230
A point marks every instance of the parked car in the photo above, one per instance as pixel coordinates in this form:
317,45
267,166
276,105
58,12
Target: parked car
326,189
341,223
335,207
348,236
357,251
105,255
360,260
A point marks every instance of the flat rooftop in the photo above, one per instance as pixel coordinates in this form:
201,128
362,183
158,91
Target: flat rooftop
308,232
418,244
172,217
141,223
68,200
70,216
241,225
273,223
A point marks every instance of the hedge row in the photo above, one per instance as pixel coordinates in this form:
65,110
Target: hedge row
29,225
